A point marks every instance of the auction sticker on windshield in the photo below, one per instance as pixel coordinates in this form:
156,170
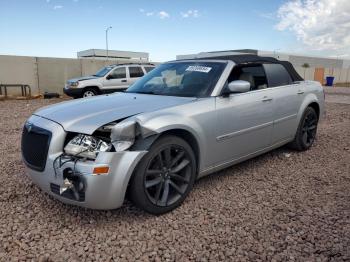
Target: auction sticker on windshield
202,69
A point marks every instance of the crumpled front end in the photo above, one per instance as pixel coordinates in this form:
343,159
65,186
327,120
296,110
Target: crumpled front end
99,183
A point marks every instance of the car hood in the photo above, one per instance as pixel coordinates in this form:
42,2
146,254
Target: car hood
87,114
81,78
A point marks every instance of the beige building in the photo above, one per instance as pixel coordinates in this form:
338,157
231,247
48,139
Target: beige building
309,67
113,54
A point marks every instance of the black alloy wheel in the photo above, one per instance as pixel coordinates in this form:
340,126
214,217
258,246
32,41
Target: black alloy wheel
165,176
168,175
306,133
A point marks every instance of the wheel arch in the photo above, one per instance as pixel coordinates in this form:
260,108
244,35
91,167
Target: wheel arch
95,87
316,107
309,100
144,143
189,138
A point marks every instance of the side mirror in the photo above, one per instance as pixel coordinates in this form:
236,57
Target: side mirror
239,86
109,77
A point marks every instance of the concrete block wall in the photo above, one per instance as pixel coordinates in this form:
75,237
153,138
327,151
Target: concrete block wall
89,67
47,74
341,75
53,73
19,70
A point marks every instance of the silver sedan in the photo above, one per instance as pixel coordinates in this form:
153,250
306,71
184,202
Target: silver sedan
182,121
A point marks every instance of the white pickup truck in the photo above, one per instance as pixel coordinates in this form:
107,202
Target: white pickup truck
107,80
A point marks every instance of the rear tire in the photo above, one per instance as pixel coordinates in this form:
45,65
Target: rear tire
307,130
164,177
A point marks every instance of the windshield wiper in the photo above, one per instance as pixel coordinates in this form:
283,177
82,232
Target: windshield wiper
145,92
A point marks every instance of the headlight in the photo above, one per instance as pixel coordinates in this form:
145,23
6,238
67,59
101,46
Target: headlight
73,84
86,146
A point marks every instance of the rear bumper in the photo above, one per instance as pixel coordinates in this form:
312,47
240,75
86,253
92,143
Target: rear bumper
105,191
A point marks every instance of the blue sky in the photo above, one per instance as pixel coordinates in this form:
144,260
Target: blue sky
164,28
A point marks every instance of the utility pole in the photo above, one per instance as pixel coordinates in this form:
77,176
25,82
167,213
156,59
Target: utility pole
107,29
275,52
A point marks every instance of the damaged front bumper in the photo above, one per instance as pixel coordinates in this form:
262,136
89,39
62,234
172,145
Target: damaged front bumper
74,181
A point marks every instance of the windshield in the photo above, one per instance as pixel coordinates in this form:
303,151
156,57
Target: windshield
189,79
103,71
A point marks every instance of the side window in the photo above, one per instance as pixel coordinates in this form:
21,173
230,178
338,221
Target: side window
148,69
277,75
254,74
118,73
135,71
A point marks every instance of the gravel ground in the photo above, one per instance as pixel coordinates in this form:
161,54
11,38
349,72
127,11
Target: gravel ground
283,205
337,90
337,95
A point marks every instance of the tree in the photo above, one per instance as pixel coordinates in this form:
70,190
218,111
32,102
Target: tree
305,66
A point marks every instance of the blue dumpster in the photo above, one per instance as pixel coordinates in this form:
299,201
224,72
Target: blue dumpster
329,80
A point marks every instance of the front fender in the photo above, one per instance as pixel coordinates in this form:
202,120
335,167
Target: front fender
85,84
168,122
197,118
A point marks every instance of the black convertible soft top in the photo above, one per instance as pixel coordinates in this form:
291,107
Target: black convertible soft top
246,59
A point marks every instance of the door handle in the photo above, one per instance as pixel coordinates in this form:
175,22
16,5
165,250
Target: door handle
124,81
266,99
300,92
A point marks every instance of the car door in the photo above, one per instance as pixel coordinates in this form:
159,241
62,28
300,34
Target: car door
244,122
135,72
288,97
116,80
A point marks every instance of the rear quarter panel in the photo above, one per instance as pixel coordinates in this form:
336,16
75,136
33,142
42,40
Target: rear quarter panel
313,93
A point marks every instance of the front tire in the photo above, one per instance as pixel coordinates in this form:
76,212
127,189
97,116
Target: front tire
164,177
89,92
306,132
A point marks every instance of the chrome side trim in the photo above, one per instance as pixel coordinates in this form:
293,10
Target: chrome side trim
284,118
243,131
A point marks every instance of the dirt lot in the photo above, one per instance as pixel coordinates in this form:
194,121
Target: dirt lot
338,94
283,205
